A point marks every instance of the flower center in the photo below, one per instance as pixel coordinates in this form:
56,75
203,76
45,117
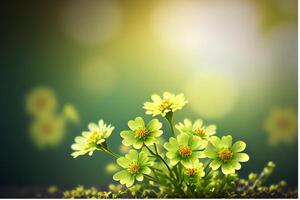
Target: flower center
185,151
133,168
141,132
283,124
191,171
225,154
47,129
165,104
92,137
200,131
41,103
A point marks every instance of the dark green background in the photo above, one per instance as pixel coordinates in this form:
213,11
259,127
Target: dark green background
36,52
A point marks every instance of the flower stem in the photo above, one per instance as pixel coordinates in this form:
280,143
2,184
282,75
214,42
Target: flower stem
169,117
112,153
158,156
151,178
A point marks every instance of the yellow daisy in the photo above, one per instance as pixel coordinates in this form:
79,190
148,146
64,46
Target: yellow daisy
281,125
70,113
168,103
94,139
41,101
47,131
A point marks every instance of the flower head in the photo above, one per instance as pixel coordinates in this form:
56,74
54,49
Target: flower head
194,172
141,133
47,131
135,165
197,128
185,149
226,155
161,106
41,101
92,140
70,113
281,125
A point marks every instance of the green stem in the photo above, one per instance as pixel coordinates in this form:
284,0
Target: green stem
169,117
112,153
151,178
158,156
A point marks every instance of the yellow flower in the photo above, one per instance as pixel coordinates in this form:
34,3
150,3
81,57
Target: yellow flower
70,113
41,101
47,131
168,103
52,189
94,139
281,125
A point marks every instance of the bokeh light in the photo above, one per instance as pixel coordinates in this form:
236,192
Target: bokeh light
211,94
91,22
97,76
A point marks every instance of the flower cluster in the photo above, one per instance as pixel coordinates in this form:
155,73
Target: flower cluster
190,162
48,126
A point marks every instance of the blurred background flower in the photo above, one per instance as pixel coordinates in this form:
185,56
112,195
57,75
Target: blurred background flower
41,101
233,60
47,131
281,124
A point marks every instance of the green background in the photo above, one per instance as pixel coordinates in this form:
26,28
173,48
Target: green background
35,51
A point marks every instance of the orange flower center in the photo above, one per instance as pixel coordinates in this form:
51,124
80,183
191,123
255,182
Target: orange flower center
165,104
141,132
200,131
185,151
133,168
47,128
191,171
283,123
41,103
225,154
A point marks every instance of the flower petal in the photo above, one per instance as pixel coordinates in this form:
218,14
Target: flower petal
215,164
130,181
227,141
121,175
198,124
211,129
139,177
138,122
132,155
210,151
183,139
242,157
137,144
93,127
123,162
153,125
216,141
238,146
227,169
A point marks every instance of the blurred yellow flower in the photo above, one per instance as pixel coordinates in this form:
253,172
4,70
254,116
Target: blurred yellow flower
41,101
92,140
70,113
281,125
47,131
161,106
52,189
111,168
